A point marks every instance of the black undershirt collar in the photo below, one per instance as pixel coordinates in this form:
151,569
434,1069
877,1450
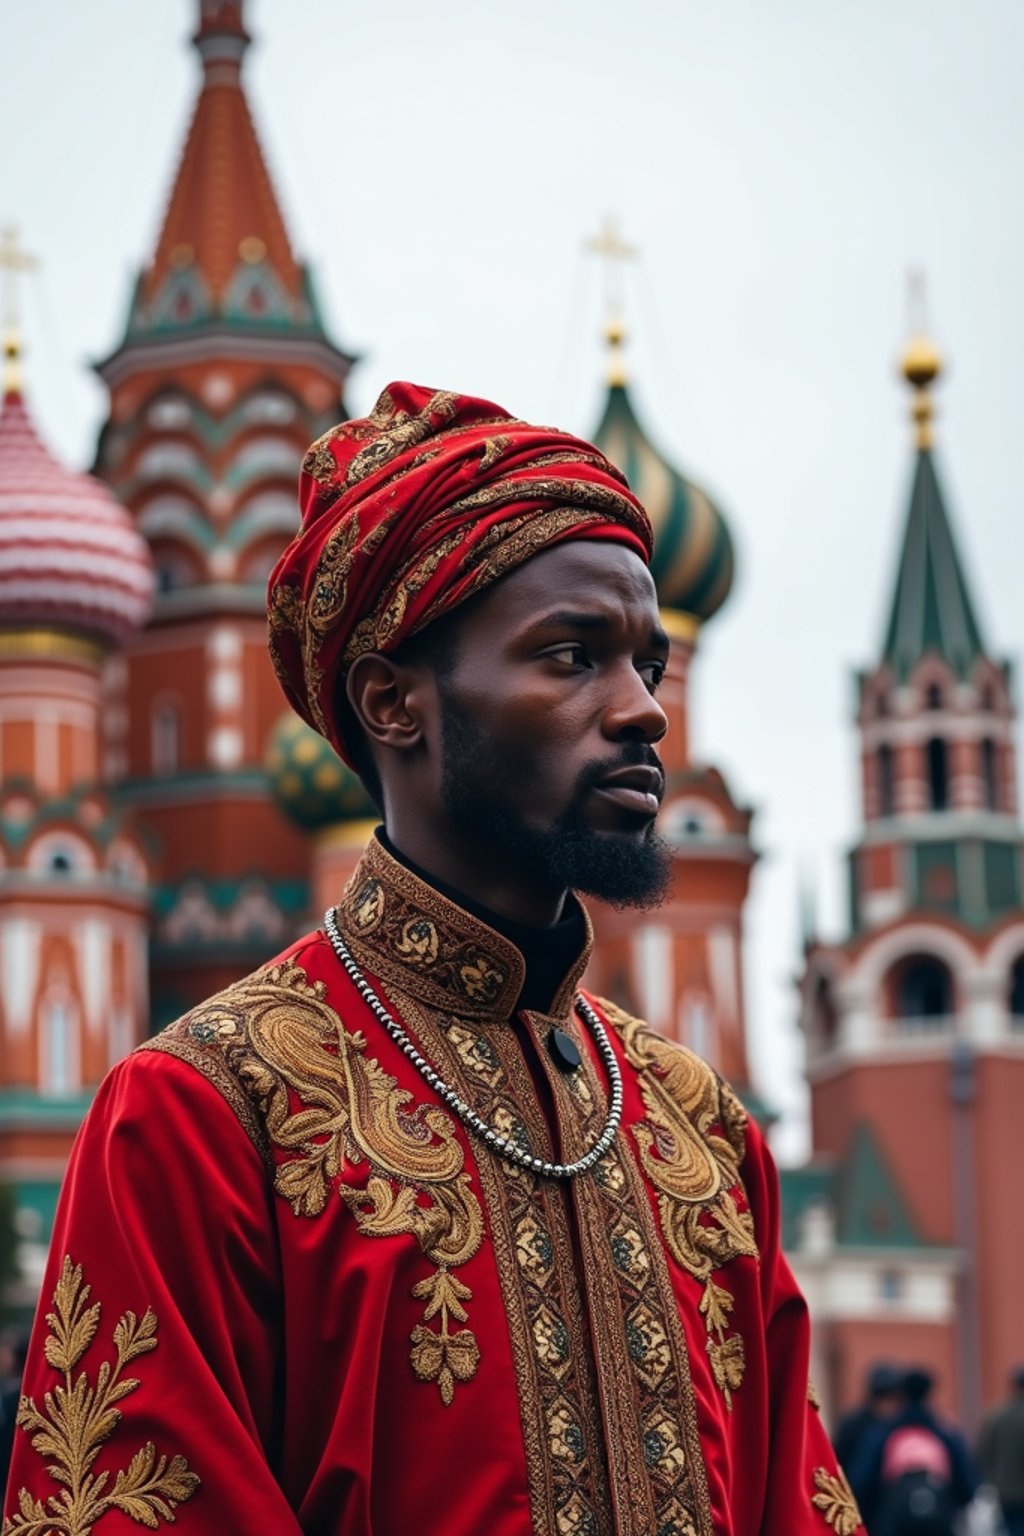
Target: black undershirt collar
548,953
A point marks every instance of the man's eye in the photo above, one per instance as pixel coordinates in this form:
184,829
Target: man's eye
652,673
569,655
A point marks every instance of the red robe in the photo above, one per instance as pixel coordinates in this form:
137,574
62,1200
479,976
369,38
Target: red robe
289,1293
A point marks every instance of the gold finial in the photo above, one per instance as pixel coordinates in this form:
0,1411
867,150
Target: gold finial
921,363
252,249
13,261
608,242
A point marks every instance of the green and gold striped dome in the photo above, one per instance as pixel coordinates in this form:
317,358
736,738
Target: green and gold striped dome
310,782
693,561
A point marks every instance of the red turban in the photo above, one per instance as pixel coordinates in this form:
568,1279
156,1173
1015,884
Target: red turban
413,510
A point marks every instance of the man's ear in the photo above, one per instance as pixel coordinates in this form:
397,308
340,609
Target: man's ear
388,700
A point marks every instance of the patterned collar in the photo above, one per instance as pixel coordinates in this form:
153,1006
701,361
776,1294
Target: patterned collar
413,938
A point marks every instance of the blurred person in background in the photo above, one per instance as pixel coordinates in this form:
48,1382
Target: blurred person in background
1001,1454
913,1474
881,1400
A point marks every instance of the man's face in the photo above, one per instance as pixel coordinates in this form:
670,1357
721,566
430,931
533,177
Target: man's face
548,717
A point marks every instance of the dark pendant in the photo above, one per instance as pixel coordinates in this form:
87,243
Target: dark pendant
565,1053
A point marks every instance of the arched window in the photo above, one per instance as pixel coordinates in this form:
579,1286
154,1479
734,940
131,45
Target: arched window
988,697
938,773
170,413
886,781
922,988
166,738
933,697
270,406
59,1044
697,1016
990,775
176,567
163,459
825,1012
882,705
1017,991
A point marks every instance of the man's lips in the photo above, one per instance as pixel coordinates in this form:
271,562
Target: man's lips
637,788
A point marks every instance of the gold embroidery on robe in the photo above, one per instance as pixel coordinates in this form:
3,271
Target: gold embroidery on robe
527,1223
812,1396
691,1147
277,1035
78,1418
836,1501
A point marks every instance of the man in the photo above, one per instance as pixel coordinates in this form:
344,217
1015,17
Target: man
1001,1454
405,1232
913,1472
881,1400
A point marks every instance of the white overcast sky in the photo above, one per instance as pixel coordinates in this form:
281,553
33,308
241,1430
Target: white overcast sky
780,164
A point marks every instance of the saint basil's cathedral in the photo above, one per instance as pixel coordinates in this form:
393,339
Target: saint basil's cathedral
165,826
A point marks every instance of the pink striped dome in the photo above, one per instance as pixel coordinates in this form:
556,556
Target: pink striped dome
69,554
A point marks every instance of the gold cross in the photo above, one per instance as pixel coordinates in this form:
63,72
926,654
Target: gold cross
917,302
13,260
609,244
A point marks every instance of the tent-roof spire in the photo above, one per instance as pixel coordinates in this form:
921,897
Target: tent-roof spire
223,217
932,608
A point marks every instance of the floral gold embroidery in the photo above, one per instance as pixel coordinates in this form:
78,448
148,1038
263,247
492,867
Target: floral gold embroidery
480,979
77,1420
836,1501
691,1147
399,431
368,906
418,941
557,1391
494,447
812,1396
401,930
727,1364
279,1036
444,1357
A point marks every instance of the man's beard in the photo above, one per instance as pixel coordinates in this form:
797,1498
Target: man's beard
478,791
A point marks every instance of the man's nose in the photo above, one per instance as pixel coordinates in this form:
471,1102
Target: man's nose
633,713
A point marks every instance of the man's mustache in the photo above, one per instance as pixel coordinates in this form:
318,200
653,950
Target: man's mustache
633,754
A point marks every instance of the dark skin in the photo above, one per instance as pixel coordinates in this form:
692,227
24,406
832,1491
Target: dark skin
558,663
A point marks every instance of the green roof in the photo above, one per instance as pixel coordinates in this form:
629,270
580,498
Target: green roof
871,1209
931,608
813,1184
867,1204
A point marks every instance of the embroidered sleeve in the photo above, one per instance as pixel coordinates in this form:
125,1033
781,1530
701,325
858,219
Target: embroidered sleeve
834,1498
153,1364
317,1104
74,1420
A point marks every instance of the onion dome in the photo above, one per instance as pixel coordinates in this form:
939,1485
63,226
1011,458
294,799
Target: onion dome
70,556
693,563
309,780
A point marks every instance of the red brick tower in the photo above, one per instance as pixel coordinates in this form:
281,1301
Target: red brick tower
223,377
681,966
915,1023
75,581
